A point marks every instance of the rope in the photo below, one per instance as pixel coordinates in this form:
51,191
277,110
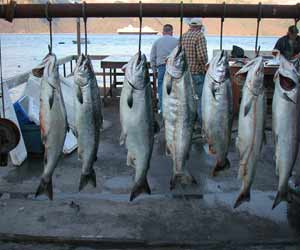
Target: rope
10,10
140,34
258,22
50,25
181,23
1,78
85,26
222,22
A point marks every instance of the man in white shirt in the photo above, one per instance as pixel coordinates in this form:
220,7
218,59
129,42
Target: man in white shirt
161,48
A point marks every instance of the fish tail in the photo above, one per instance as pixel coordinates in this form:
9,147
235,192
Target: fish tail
281,196
139,188
45,188
88,178
182,179
220,167
244,196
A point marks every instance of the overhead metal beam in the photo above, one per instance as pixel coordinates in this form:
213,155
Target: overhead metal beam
150,10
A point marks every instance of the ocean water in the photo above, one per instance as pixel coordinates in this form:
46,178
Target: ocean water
21,52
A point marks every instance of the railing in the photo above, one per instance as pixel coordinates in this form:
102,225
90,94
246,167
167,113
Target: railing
64,70
67,66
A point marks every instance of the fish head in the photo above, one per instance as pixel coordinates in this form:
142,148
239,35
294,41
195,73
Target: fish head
254,70
48,69
176,62
83,70
288,78
219,67
137,72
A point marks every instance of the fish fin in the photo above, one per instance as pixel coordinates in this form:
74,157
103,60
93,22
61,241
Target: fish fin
218,167
242,154
287,98
182,179
139,188
213,92
280,196
264,141
79,95
276,168
265,138
122,138
130,99
75,132
45,188
243,197
168,151
247,108
88,178
169,86
51,98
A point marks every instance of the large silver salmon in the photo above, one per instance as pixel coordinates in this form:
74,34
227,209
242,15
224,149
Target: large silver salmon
285,112
88,118
251,125
53,120
179,114
136,117
217,110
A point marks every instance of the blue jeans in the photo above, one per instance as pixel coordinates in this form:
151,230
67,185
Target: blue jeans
161,69
198,85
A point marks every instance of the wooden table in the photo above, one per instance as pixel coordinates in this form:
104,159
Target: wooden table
111,66
269,72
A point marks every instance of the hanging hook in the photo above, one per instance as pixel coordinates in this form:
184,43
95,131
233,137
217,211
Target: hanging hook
140,33
85,25
222,22
181,24
10,11
257,28
298,18
50,26
1,78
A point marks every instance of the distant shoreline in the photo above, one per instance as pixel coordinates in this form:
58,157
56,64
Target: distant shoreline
210,35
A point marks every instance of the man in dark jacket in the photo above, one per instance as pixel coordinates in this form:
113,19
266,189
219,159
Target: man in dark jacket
289,45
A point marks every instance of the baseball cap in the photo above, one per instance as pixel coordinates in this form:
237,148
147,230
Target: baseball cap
196,21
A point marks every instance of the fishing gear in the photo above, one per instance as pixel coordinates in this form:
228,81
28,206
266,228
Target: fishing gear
85,26
50,26
257,27
140,33
181,25
222,23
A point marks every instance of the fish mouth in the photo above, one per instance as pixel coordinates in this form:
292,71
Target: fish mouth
137,72
176,64
83,66
286,83
49,62
38,72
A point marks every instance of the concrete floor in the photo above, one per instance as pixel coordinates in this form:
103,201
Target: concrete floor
181,219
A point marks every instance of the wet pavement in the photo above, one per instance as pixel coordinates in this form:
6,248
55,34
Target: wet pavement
196,217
